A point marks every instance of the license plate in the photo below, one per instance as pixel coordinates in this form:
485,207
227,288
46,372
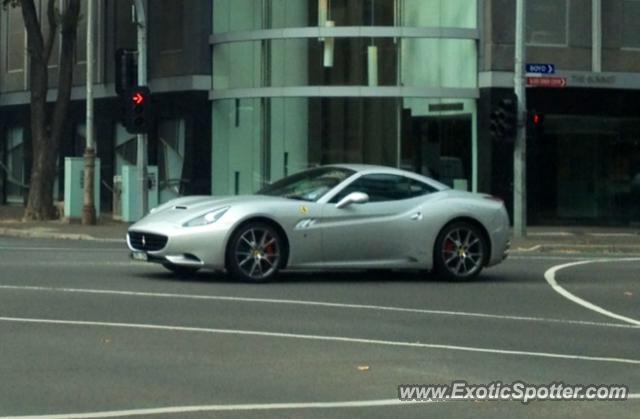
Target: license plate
139,256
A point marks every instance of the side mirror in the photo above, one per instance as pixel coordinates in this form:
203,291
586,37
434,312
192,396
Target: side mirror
353,198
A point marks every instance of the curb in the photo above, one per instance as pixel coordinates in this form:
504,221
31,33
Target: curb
567,248
20,233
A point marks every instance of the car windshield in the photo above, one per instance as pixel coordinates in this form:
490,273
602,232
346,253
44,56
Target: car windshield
309,185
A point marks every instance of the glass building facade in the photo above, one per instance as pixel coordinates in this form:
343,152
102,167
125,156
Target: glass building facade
299,83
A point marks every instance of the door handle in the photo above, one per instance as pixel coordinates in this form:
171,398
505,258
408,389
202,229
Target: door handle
417,216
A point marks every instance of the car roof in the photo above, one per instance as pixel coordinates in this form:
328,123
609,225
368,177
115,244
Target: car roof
371,168
368,168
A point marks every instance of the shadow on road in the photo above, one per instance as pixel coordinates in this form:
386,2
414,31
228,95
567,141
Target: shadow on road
368,276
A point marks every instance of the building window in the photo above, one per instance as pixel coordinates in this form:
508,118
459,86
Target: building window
16,40
424,63
170,26
249,15
630,27
262,140
547,22
15,165
171,151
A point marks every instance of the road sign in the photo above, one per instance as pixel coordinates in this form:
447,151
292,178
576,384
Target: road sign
557,82
541,68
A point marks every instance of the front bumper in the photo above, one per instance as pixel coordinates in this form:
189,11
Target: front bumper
199,247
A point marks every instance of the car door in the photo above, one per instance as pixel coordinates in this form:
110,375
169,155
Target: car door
375,233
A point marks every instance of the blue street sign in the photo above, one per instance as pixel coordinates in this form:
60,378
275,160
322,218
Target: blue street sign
541,68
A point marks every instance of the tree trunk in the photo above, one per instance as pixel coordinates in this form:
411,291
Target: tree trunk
47,127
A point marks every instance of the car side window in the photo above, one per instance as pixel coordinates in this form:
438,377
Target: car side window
385,187
417,188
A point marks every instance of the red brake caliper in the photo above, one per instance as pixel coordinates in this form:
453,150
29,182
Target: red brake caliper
449,246
269,251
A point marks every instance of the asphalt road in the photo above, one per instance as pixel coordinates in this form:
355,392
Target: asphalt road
84,331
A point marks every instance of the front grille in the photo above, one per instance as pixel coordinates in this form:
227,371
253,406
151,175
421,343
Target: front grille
147,241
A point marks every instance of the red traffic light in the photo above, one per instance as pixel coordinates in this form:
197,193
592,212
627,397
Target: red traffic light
137,98
536,119
138,113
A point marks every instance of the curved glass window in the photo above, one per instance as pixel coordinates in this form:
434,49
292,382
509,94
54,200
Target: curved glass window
258,140
251,15
410,62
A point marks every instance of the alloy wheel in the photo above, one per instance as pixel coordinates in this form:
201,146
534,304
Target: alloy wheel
257,253
462,252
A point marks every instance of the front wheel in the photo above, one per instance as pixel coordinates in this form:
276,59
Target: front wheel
255,252
460,251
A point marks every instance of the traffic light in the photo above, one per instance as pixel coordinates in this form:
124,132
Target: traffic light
535,125
126,70
137,106
504,120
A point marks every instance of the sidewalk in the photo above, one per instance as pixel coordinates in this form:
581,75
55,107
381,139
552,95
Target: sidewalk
106,230
561,239
573,239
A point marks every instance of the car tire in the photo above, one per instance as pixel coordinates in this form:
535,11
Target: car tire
180,270
460,251
255,252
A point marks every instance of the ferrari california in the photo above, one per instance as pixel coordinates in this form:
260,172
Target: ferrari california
325,218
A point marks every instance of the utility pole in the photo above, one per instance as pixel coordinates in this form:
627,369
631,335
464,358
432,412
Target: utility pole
141,161
89,209
520,146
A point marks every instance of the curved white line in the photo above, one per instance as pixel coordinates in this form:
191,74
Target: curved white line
223,407
320,338
236,407
550,276
312,304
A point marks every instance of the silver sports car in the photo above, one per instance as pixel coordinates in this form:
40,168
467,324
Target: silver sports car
330,217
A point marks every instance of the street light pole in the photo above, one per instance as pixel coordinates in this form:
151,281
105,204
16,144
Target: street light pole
520,147
88,209
141,161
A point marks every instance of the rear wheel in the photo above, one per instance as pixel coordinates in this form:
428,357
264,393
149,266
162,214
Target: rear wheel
460,251
180,270
255,252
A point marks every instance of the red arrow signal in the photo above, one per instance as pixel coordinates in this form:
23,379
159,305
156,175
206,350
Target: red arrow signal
137,98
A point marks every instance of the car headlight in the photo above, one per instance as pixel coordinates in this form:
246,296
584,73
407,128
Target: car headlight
206,218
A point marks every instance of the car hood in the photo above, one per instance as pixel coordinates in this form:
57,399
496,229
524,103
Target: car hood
179,211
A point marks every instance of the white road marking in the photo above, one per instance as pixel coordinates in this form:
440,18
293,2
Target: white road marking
572,257
78,263
550,276
320,338
529,249
311,303
237,407
551,234
224,407
612,234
